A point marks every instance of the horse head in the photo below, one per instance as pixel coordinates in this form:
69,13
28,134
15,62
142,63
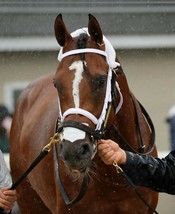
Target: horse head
84,82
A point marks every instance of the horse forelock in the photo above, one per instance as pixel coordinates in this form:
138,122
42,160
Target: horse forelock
82,40
81,43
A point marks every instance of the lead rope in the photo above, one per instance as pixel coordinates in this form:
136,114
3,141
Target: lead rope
120,172
118,168
45,150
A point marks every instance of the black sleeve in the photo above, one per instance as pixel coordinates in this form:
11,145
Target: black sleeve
5,213
2,211
155,173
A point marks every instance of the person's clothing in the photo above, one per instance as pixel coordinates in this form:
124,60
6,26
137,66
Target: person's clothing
171,122
10,212
170,119
4,144
5,177
5,124
155,173
3,114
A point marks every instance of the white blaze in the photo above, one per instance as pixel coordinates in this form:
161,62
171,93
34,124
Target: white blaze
78,67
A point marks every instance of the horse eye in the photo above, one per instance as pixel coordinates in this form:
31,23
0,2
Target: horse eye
100,81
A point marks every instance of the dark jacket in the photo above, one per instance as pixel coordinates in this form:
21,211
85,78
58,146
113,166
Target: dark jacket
172,131
155,173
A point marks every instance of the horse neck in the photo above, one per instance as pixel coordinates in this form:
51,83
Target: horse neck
125,116
125,120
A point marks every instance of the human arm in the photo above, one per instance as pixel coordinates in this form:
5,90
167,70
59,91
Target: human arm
110,152
155,173
7,196
7,199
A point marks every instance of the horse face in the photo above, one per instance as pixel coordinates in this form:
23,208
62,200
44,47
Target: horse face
81,84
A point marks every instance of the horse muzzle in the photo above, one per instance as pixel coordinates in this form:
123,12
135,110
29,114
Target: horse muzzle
77,155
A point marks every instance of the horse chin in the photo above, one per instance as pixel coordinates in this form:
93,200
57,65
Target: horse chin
77,173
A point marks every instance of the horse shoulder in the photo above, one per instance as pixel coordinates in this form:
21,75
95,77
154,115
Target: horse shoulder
26,114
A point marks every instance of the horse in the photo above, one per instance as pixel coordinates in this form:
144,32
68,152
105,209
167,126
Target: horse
88,98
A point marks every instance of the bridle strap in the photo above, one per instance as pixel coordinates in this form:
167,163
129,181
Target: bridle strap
95,133
83,187
85,181
83,50
80,111
121,98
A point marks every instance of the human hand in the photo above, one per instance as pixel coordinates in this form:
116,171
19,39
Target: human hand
110,152
7,199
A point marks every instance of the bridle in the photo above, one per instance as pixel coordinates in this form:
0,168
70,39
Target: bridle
100,122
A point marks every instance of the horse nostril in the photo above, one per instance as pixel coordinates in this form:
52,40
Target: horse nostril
85,150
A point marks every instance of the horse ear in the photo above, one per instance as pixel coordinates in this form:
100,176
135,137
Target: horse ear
61,33
95,30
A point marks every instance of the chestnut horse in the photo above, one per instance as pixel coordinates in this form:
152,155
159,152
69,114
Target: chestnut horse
91,100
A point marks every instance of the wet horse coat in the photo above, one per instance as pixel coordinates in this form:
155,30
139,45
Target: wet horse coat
83,89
